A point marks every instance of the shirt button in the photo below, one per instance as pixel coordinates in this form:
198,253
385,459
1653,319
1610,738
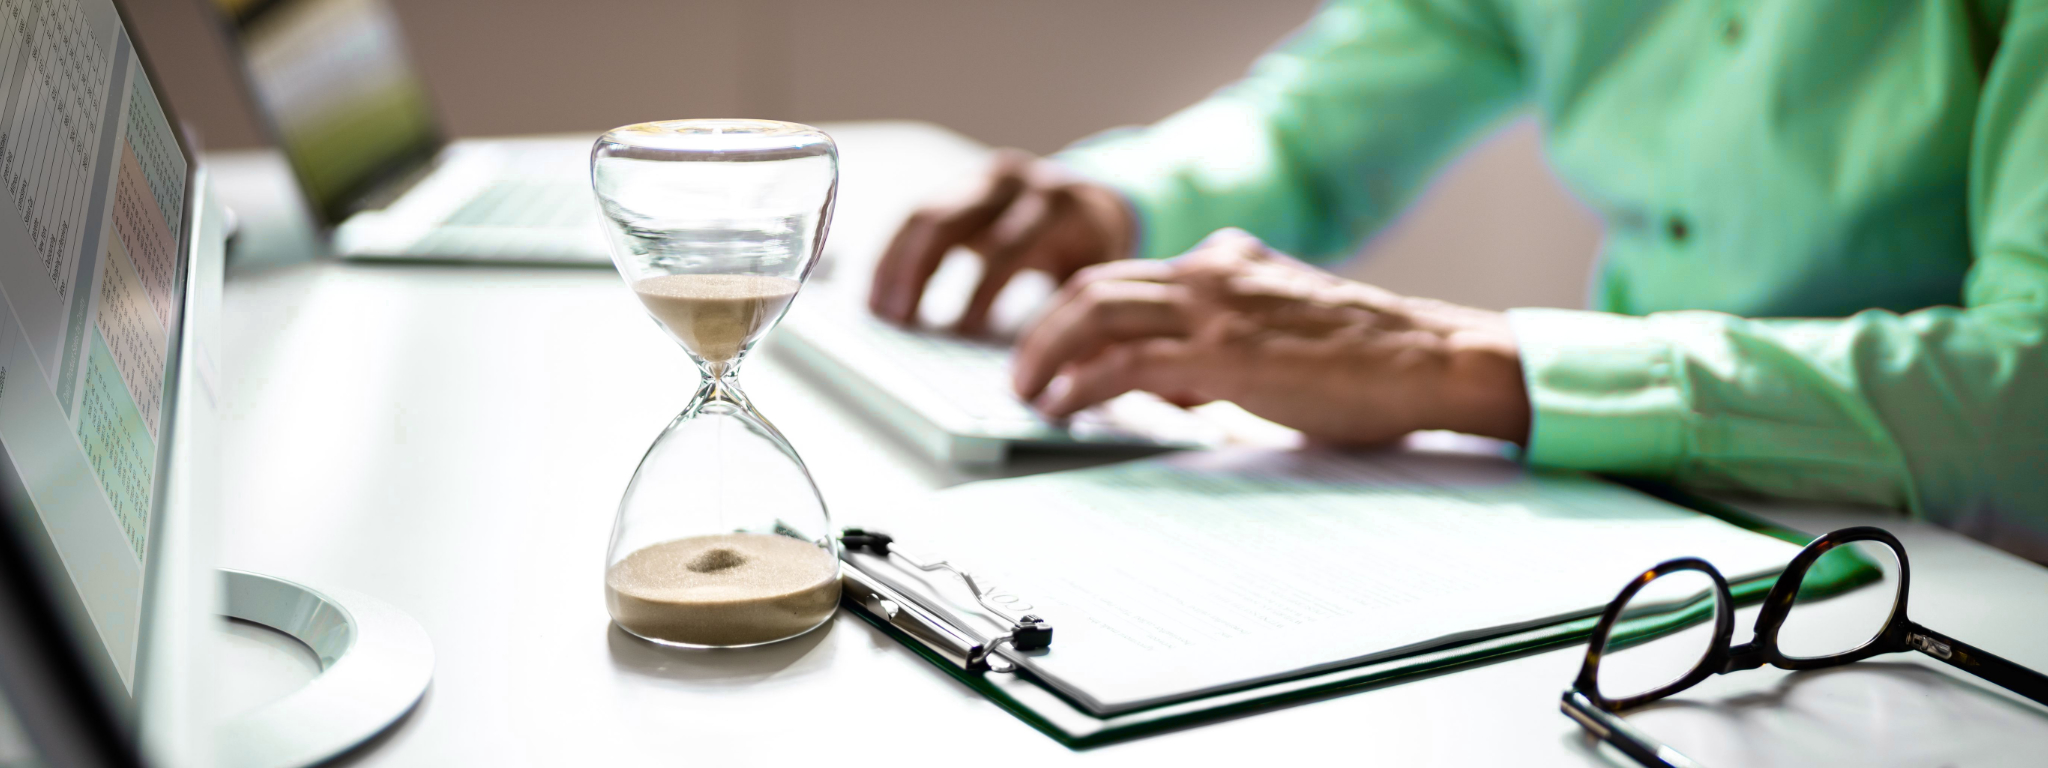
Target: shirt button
1676,228
1731,32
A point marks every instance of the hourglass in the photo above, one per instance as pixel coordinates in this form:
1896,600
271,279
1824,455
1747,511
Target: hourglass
721,539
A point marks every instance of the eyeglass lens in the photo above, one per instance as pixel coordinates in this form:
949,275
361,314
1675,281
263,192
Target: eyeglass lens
1822,625
1664,631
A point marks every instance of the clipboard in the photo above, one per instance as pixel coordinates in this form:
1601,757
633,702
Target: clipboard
889,587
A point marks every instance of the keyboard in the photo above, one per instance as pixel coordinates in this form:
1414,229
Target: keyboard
520,220
972,376
523,201
528,203
951,396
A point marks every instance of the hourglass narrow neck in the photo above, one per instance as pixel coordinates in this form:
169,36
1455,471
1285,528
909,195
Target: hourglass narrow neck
726,369
720,389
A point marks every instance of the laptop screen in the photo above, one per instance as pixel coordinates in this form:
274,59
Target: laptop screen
332,80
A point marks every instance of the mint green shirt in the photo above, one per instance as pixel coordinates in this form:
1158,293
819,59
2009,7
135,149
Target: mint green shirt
1876,167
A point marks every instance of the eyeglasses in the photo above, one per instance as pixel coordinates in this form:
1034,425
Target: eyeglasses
1816,635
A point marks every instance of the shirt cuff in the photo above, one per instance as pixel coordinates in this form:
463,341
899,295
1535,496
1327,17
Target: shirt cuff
1604,392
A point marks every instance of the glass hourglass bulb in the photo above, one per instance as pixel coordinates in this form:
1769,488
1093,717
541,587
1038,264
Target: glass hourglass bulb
721,538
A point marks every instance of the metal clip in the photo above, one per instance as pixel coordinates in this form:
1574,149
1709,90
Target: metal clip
1027,633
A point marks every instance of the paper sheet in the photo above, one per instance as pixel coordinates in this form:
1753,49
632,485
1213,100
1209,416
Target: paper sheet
1173,577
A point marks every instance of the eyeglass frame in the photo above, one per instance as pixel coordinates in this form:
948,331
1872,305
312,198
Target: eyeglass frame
1584,703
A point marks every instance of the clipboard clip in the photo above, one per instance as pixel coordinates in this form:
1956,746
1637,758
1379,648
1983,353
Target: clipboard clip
1026,633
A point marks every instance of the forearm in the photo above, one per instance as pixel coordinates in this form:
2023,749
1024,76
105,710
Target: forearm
1327,137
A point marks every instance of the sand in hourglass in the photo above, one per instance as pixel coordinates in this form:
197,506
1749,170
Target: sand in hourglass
723,589
715,316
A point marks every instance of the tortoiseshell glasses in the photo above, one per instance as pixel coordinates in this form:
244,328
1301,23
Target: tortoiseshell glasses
1687,590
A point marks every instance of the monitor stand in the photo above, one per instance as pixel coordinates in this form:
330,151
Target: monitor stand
375,663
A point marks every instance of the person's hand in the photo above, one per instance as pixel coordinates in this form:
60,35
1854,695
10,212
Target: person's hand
1342,361
1027,213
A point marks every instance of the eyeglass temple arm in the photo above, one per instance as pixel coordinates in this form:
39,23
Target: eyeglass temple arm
1614,730
1968,658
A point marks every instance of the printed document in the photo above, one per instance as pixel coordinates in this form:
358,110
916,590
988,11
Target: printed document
1194,573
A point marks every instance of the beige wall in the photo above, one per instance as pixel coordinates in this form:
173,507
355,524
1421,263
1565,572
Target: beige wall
1495,231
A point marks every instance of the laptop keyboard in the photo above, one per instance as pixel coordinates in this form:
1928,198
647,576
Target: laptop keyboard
537,204
533,220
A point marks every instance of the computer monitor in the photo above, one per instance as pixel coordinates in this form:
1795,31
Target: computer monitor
332,79
111,256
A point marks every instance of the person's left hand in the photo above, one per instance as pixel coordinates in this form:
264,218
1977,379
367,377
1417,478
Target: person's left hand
1342,361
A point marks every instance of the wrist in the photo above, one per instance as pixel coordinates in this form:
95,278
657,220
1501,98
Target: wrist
1112,218
1485,393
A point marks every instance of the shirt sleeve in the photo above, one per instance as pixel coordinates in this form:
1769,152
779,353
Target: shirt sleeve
1327,137
1943,411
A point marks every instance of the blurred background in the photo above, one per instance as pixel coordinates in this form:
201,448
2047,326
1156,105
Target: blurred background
1496,230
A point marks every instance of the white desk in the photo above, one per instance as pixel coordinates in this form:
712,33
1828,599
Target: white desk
454,441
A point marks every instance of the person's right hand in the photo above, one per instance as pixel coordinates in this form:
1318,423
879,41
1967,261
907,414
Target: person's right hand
1027,213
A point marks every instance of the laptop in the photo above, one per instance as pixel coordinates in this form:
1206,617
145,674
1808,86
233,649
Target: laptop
110,289
331,80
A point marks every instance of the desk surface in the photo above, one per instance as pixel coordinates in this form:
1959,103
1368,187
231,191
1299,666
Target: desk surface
454,441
